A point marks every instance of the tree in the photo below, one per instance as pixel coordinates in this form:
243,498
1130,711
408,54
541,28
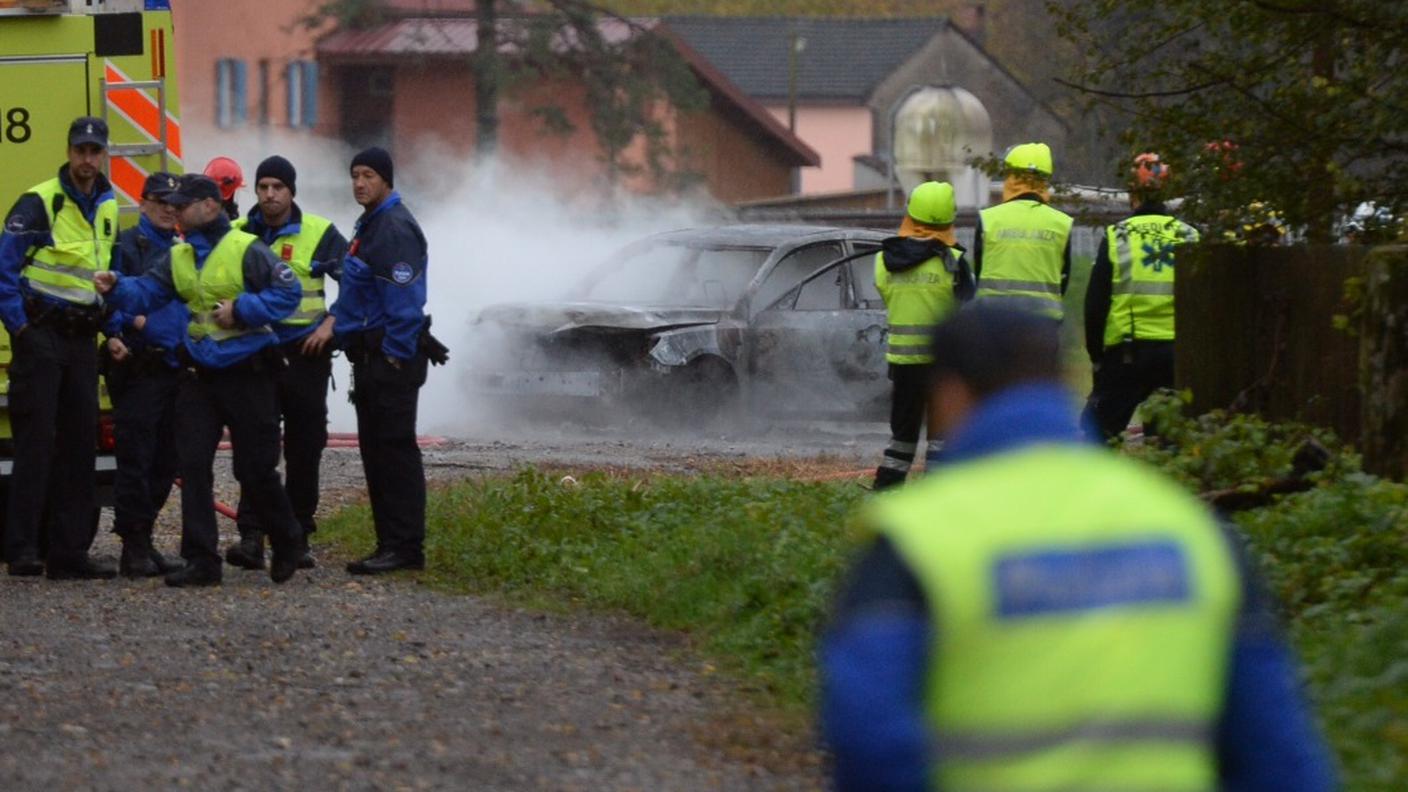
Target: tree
629,72
1298,104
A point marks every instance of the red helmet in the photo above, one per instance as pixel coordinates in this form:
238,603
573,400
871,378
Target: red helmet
1150,173
226,173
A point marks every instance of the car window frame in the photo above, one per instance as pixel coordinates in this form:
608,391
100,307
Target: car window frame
796,290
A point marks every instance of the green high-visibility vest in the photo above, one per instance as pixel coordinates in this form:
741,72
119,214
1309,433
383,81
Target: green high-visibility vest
64,270
297,251
203,288
916,300
1084,608
1142,267
1024,245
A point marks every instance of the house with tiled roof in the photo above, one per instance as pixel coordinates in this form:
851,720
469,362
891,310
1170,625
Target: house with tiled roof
836,82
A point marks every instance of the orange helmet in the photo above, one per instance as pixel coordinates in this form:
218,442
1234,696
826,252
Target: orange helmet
226,173
1150,173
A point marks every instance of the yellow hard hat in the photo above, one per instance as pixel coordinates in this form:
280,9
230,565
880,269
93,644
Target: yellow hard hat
932,203
1029,158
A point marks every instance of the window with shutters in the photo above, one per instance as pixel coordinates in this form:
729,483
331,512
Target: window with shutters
302,81
231,105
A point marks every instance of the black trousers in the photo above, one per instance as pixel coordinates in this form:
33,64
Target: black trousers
1128,374
386,399
245,401
143,394
54,416
909,401
303,403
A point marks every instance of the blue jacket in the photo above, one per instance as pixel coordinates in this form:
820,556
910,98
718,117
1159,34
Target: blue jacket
874,657
26,226
383,279
327,258
138,250
271,292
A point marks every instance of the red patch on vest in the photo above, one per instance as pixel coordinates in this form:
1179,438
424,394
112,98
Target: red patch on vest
287,252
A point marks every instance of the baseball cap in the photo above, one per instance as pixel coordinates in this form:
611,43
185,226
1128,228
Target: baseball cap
88,129
160,185
193,187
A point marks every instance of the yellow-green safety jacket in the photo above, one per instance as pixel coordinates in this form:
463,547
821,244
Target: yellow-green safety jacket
1085,608
64,270
220,278
1024,245
1142,250
916,300
297,251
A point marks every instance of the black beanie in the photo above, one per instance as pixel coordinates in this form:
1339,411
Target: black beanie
277,167
378,160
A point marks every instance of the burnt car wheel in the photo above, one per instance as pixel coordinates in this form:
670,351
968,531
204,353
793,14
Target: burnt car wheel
702,395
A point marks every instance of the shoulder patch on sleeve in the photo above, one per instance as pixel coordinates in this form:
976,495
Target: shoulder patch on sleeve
402,273
15,224
284,273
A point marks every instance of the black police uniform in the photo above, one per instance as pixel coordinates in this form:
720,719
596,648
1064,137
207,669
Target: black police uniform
380,323
53,400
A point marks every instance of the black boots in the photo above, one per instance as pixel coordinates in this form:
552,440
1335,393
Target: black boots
140,558
195,575
249,553
385,561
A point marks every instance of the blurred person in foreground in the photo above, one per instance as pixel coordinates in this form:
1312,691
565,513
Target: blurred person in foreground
922,276
1039,613
1129,320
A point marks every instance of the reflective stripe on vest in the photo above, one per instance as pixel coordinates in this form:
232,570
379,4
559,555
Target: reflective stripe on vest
1101,572
221,277
297,251
1024,246
64,270
1142,250
916,300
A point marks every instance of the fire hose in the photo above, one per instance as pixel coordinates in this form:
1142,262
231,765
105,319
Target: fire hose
335,440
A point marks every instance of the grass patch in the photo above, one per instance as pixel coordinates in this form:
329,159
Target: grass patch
744,566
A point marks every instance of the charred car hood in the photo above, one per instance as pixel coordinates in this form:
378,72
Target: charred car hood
559,317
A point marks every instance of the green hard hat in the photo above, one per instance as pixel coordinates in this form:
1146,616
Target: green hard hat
1029,158
933,203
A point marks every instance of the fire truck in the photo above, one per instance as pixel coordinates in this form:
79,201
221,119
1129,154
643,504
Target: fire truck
61,59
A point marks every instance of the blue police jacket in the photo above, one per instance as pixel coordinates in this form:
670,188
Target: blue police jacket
27,225
327,258
138,249
271,292
873,657
383,279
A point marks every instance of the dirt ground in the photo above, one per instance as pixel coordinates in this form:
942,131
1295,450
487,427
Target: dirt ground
330,682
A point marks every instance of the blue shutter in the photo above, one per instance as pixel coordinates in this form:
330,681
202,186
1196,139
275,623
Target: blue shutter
292,86
310,93
222,93
240,107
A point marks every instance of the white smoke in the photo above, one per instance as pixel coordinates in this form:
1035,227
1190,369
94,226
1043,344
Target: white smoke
496,233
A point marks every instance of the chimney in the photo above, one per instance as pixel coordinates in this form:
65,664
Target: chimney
972,18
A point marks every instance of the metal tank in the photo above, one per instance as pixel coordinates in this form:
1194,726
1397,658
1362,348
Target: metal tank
935,130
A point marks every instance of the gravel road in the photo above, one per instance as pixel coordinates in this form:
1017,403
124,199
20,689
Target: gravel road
330,682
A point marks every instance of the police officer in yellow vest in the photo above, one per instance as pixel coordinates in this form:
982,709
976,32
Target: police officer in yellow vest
1129,323
1038,613
922,276
314,248
57,235
1022,246
235,289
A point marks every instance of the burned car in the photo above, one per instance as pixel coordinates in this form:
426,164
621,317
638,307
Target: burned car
692,325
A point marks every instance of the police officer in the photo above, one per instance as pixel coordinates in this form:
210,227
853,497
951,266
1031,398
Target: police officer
57,235
379,319
143,375
1129,302
313,247
922,276
235,289
1022,246
1039,613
